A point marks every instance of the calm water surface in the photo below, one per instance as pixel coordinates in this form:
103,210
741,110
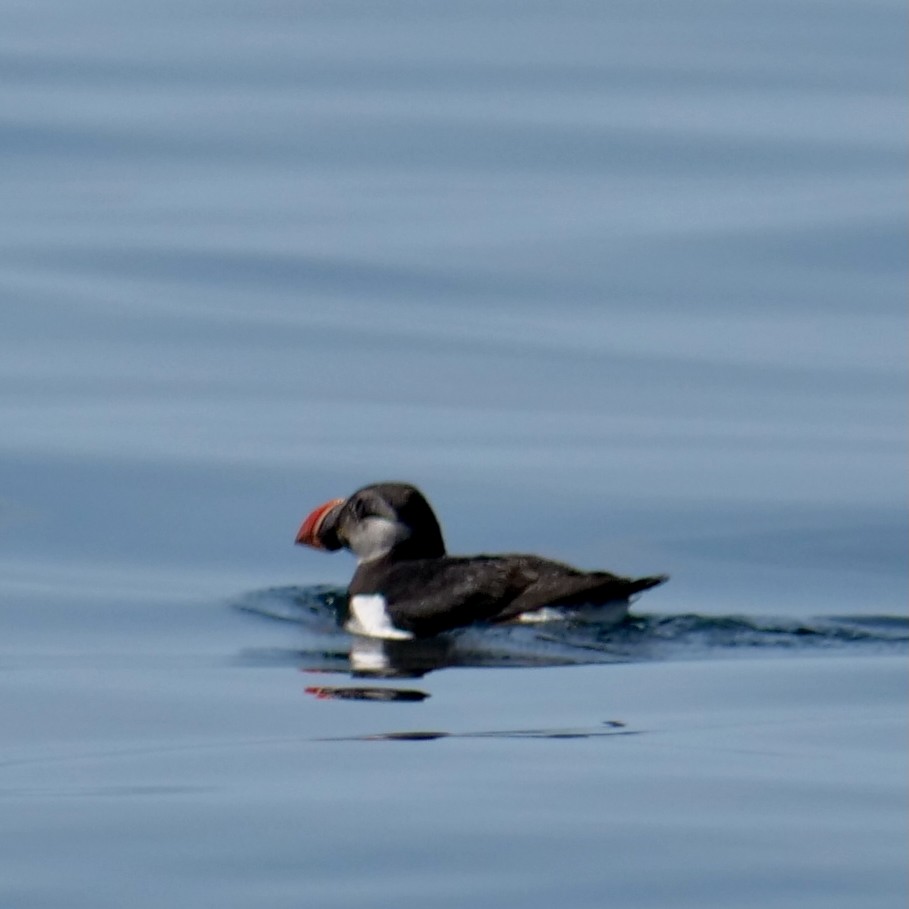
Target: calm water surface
619,284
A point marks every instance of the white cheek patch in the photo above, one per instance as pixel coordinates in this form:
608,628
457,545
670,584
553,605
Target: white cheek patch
368,616
374,537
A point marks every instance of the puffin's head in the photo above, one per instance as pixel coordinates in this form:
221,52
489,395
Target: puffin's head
377,520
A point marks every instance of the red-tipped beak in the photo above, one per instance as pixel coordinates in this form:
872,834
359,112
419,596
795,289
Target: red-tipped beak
308,534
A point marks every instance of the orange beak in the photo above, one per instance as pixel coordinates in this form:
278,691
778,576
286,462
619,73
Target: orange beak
308,534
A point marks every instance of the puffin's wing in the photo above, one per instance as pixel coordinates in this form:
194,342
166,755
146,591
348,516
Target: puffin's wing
428,596
557,586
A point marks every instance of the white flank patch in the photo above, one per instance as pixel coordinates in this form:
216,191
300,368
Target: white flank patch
546,614
368,616
605,614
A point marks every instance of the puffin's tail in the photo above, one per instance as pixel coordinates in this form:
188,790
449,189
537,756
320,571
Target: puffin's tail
639,584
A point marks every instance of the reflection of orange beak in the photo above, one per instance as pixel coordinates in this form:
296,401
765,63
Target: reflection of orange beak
308,534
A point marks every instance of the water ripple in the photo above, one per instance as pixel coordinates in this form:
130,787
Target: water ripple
322,644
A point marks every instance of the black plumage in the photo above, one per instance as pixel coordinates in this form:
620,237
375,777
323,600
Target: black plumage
394,532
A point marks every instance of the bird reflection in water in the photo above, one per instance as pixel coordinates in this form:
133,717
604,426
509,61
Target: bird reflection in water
378,659
375,658
362,693
317,614
363,657
381,658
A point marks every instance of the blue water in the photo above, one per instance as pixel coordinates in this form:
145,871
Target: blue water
621,284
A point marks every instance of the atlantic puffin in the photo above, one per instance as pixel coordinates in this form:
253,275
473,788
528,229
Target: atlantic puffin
407,586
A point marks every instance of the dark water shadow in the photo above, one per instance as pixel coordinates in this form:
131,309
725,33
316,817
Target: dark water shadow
607,728
321,645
